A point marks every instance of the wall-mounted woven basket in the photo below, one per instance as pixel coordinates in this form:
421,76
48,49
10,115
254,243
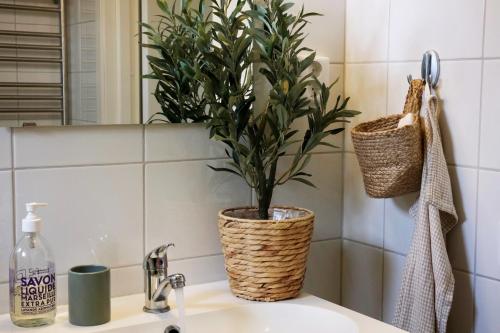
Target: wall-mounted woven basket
265,259
391,158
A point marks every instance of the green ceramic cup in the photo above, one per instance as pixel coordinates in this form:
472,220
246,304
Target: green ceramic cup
89,295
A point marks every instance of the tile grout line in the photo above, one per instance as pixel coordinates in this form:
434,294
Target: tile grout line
49,167
210,255
473,167
343,161
13,188
463,166
474,282
143,161
204,256
401,61
18,103
342,167
326,240
384,201
341,268
143,191
487,277
374,246
112,268
463,271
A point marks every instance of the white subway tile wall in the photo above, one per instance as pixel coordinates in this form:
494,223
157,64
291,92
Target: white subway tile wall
393,273
4,300
180,142
367,26
488,225
490,116
325,34
63,146
95,212
109,204
367,84
486,305
461,318
6,226
391,35
362,278
325,200
453,27
461,240
492,29
364,217
183,198
114,196
399,226
324,260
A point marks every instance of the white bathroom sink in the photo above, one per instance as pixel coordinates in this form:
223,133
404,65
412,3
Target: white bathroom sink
211,308
258,318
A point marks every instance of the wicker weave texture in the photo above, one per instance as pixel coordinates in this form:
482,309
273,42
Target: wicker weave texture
265,260
391,158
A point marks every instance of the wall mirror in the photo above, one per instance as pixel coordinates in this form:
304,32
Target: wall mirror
70,62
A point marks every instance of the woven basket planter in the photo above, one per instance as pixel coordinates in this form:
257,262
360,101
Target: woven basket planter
391,158
265,259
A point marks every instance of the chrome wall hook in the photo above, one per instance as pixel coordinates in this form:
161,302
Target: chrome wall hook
431,67
430,70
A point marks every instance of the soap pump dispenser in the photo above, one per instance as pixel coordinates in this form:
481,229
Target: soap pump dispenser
32,276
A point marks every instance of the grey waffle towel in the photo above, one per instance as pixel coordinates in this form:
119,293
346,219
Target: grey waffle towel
427,286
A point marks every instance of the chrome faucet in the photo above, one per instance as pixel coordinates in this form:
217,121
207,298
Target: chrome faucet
157,282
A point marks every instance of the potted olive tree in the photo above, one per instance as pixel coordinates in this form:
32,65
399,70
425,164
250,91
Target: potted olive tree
265,248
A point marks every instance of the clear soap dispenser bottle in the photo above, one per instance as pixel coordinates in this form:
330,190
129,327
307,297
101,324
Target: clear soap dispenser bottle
32,275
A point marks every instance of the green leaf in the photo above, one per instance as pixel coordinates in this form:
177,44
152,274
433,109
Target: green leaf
303,181
328,145
336,130
224,170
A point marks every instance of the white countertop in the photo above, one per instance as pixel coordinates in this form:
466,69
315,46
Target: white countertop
127,311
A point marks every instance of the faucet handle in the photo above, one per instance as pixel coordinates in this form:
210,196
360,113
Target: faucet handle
157,260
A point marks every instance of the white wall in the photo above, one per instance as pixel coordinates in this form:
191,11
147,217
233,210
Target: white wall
148,185
384,42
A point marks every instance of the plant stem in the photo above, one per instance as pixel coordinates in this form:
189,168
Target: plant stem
265,193
263,211
263,197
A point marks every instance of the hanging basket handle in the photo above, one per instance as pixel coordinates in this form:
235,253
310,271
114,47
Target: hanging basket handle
414,97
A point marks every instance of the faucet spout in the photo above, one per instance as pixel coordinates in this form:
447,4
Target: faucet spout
177,280
174,281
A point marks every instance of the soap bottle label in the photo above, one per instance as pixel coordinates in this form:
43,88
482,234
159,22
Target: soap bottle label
34,291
